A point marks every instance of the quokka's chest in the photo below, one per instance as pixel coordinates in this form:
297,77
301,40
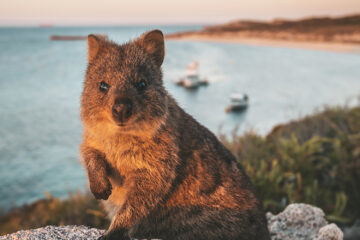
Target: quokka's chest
132,155
125,157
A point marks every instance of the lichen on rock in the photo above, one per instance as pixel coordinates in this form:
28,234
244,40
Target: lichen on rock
56,233
296,222
302,222
330,232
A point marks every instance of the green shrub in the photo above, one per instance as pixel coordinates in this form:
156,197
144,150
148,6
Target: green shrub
78,209
314,160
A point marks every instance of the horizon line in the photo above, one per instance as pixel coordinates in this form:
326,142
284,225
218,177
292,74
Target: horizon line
92,23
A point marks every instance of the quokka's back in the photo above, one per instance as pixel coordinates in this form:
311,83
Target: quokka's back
162,173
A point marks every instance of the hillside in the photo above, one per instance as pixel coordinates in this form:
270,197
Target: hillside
315,29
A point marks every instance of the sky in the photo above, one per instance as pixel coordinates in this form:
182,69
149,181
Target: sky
118,12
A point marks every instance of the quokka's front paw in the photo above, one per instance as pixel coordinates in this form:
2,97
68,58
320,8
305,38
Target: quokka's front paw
101,189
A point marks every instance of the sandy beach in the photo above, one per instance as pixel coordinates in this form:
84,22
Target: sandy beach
338,34
233,38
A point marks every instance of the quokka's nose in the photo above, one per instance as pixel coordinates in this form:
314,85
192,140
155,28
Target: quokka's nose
122,109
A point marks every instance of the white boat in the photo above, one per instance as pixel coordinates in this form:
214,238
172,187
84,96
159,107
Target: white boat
192,79
239,102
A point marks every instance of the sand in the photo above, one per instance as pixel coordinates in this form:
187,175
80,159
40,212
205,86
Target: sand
323,46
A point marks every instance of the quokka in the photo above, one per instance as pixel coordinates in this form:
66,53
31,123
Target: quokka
163,174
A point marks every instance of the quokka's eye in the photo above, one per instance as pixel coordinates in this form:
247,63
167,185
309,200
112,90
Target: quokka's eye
141,85
104,87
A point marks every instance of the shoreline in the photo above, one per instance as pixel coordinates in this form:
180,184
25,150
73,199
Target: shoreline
256,41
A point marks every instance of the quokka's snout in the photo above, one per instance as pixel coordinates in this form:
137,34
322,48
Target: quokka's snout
122,110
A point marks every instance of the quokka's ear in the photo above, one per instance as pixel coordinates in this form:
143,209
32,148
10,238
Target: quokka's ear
153,43
95,43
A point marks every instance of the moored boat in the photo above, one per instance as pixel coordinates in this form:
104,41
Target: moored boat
192,79
239,102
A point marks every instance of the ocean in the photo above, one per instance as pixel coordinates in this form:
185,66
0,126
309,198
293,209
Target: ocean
41,82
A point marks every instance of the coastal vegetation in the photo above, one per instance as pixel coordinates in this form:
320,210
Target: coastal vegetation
315,160
80,208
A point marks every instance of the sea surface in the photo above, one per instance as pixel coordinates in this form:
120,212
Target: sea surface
41,82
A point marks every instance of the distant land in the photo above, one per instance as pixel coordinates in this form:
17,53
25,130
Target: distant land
326,33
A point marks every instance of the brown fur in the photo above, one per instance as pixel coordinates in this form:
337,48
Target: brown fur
164,175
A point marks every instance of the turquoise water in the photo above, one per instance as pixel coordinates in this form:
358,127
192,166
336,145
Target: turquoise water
41,83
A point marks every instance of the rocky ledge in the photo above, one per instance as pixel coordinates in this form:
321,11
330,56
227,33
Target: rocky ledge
302,222
296,222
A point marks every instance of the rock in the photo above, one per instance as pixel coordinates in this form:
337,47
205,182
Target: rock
296,222
302,222
53,232
330,232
